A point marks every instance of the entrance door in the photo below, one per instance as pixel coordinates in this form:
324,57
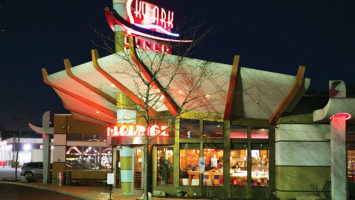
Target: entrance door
138,167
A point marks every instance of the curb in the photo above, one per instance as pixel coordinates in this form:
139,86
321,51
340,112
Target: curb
48,189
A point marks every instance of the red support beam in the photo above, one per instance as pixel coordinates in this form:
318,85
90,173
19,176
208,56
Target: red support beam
232,82
167,100
120,86
290,96
78,97
92,88
97,117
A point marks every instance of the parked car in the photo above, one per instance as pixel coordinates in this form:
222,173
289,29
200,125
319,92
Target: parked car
32,171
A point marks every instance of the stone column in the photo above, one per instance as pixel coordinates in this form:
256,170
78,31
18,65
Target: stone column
126,114
120,7
126,159
338,157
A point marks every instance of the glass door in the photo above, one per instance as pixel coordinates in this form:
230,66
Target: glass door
138,167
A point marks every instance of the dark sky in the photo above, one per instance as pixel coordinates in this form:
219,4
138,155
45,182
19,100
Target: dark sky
268,35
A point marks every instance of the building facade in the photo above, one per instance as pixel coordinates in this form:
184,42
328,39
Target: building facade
239,133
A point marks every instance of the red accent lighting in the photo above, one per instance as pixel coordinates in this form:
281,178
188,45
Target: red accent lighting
112,21
347,116
150,16
132,130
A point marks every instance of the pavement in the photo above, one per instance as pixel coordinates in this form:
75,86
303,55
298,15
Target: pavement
19,192
8,174
86,192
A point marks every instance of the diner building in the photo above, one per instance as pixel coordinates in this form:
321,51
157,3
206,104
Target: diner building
259,142
250,134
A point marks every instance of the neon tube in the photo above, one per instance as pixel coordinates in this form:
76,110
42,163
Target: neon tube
157,27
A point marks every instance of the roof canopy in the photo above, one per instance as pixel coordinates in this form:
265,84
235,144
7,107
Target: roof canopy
89,90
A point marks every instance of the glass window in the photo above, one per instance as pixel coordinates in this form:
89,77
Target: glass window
88,157
213,175
351,165
87,137
189,128
259,165
91,137
74,137
106,157
189,164
238,132
259,133
238,164
165,166
212,129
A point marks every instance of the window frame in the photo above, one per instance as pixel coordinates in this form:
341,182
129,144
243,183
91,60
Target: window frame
250,142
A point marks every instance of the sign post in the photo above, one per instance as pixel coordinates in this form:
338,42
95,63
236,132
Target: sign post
110,181
202,165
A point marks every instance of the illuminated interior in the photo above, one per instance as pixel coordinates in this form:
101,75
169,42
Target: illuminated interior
260,168
238,167
213,175
88,157
259,133
165,166
189,165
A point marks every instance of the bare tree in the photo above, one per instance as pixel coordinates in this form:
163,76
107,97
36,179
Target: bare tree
19,118
160,79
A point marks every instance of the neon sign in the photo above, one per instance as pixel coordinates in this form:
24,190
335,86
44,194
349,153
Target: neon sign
132,130
149,45
150,16
149,23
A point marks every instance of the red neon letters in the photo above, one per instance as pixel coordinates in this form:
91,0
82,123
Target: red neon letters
137,130
149,16
149,45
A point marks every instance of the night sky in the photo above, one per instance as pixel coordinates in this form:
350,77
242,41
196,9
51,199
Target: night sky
270,35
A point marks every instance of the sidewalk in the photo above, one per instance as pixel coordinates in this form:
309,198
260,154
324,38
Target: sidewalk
85,192
89,192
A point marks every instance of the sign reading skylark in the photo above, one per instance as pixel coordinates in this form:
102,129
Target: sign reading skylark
150,16
151,25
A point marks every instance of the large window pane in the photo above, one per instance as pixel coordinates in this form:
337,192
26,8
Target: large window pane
260,165
212,129
106,157
88,157
74,137
165,166
238,164
86,137
259,133
138,166
189,128
189,164
238,132
213,175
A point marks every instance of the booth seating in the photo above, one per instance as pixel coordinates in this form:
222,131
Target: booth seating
213,178
89,177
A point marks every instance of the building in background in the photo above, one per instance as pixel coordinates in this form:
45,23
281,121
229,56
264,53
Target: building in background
30,150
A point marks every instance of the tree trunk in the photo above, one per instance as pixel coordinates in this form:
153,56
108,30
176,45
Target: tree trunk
145,168
17,147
